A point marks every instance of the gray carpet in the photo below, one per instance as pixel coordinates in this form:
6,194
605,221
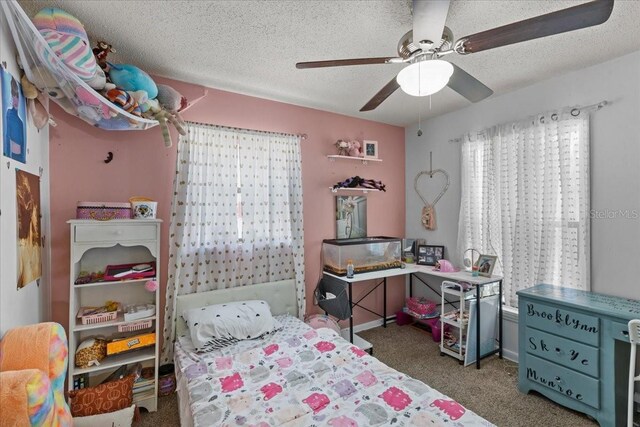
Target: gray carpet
490,392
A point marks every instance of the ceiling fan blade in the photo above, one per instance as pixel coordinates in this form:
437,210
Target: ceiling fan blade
467,85
564,20
429,17
343,62
382,94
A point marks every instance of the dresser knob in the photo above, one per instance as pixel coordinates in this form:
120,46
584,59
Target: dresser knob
558,350
625,333
558,379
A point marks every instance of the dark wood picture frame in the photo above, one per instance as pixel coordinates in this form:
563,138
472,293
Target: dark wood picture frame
429,254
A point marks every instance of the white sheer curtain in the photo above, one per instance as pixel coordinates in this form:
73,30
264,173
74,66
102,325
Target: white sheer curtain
525,198
236,216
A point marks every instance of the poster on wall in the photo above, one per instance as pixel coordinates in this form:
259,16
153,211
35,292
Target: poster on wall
14,115
29,228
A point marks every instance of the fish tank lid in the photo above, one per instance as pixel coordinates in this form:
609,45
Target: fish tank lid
360,240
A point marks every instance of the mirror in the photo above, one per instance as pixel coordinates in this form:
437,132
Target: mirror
351,217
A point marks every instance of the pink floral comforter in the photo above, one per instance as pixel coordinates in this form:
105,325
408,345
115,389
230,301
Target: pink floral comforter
310,378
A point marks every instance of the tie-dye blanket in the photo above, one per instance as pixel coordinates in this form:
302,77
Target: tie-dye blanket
307,377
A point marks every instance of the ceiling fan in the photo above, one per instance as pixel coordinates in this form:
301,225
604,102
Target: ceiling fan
429,40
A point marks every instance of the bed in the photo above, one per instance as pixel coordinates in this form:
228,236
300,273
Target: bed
297,377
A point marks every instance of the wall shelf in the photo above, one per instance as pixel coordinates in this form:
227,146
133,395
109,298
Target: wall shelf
364,160
361,190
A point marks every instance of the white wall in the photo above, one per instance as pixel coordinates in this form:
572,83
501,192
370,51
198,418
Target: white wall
615,164
31,303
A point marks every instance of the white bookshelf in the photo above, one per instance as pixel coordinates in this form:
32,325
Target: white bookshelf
94,245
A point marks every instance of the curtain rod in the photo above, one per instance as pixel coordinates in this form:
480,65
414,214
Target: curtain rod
302,136
575,112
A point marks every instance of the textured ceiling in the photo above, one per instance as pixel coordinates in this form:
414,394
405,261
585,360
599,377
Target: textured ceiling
251,47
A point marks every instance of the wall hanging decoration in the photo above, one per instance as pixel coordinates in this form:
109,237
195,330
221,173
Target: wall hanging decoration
351,217
29,229
357,182
428,217
14,114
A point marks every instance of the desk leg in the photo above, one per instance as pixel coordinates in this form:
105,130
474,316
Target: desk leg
410,285
384,303
478,326
351,317
500,319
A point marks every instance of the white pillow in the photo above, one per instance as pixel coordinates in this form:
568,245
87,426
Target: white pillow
220,325
121,418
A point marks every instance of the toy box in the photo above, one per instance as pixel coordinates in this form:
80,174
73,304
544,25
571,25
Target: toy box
103,211
131,343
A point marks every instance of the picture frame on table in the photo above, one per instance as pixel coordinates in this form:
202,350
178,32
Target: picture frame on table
370,149
485,264
429,254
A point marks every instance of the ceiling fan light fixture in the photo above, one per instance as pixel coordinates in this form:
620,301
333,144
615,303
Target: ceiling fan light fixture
424,78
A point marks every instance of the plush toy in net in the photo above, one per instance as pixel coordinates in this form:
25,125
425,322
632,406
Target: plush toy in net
66,36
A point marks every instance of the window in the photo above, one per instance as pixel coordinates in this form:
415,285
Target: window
525,198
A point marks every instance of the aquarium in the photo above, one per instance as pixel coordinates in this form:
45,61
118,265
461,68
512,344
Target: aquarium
367,254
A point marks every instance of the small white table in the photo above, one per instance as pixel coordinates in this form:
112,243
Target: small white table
412,270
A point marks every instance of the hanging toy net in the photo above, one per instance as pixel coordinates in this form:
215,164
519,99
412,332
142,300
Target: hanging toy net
52,77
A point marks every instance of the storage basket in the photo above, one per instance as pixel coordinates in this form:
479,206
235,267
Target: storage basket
137,326
103,211
166,380
421,306
91,319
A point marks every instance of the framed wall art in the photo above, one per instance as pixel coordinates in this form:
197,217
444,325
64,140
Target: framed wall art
370,149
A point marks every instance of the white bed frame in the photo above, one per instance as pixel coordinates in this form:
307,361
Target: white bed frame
280,295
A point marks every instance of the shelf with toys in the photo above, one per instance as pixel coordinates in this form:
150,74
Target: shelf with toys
113,300
57,60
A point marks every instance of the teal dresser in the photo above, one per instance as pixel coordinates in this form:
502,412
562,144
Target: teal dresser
574,349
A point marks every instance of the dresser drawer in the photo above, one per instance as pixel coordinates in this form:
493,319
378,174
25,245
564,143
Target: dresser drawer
563,381
561,321
116,232
565,352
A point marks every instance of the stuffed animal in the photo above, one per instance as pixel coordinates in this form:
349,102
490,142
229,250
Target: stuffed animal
66,36
170,99
35,103
343,147
354,149
125,101
162,117
131,78
101,51
92,107
42,79
171,102
37,111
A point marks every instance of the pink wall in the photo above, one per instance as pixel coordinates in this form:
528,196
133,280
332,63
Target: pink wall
143,166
